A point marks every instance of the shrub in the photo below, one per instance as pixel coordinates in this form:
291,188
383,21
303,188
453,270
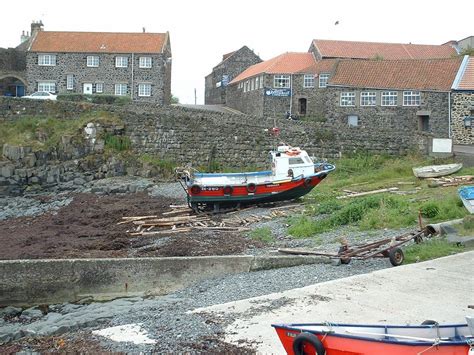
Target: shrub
429,210
262,234
96,99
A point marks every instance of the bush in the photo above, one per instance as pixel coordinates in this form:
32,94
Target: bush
96,99
429,210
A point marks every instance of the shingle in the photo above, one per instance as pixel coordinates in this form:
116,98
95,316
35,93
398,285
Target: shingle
388,51
287,63
467,80
433,74
98,42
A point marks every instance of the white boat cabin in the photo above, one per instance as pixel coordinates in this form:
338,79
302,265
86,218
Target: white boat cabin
289,162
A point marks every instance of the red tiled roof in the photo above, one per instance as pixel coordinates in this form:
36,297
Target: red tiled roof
99,42
286,63
388,51
430,75
467,80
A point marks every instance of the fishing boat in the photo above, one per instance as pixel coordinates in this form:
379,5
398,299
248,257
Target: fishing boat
466,193
293,174
436,170
337,339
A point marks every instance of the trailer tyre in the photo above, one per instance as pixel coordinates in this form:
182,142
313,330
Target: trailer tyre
396,256
309,340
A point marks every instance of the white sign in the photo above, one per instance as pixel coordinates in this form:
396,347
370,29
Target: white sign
442,145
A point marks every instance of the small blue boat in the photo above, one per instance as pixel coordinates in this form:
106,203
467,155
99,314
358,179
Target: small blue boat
466,193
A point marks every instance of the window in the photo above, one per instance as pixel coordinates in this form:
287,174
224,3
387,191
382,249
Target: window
261,82
294,161
99,88
323,80
46,86
368,98
347,98
281,81
389,98
411,98
252,84
121,62
145,62
121,89
92,60
424,123
144,89
353,120
47,59
69,82
256,82
308,81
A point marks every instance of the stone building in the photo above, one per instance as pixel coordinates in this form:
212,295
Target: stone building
407,97
462,103
232,64
281,85
127,64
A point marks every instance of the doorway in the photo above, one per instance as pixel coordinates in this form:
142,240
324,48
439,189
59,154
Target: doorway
302,106
87,88
424,123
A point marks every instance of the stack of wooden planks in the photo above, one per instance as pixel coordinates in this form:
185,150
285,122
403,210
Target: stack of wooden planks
446,181
181,219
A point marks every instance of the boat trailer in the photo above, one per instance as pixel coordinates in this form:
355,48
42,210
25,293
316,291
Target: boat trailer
382,248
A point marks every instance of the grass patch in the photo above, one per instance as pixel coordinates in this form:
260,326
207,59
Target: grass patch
40,132
163,167
261,234
430,249
117,143
467,226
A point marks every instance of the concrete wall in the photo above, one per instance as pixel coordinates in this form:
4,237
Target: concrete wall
29,282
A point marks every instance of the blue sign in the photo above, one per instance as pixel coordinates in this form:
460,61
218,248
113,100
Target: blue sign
225,80
278,92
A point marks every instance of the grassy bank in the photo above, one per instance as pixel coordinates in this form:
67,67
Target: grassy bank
399,209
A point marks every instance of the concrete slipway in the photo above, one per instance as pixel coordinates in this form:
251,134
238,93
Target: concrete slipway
438,289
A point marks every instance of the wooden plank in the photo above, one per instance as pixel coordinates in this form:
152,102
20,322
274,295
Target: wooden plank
390,189
305,252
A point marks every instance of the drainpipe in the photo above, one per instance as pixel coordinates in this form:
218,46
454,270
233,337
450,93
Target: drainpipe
449,114
132,88
291,94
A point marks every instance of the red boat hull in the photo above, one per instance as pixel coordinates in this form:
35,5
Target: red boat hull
337,345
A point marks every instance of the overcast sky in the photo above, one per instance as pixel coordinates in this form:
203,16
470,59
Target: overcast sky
202,31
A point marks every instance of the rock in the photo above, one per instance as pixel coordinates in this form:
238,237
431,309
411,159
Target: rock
7,171
10,311
15,153
79,181
31,313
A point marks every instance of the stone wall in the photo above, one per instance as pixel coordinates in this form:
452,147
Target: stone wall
159,76
199,138
462,103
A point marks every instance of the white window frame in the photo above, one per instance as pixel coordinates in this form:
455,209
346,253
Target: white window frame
144,89
257,79
121,62
145,62
92,61
69,82
347,99
411,98
252,84
261,82
353,120
119,89
368,98
308,81
47,86
99,88
47,60
389,98
281,81
323,80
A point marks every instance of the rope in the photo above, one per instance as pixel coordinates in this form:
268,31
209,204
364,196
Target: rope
436,343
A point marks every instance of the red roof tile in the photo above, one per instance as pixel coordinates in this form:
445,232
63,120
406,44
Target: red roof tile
388,51
99,42
467,79
430,75
286,63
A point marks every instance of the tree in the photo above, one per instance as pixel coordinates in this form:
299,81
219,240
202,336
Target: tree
174,99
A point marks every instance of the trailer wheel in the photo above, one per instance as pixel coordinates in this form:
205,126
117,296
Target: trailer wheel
396,256
307,340
430,322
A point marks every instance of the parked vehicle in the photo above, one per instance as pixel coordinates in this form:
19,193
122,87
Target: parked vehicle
293,174
41,95
360,339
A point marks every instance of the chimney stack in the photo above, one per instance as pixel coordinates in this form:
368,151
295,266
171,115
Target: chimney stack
36,26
